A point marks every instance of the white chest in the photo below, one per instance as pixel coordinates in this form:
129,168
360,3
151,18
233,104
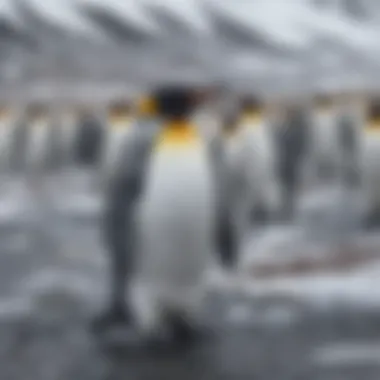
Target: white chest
39,133
180,180
176,218
5,134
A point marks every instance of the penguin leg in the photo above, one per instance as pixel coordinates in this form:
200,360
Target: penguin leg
260,214
288,201
184,322
325,171
372,220
351,176
119,312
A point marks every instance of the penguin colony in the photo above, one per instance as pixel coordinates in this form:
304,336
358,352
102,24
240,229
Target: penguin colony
186,181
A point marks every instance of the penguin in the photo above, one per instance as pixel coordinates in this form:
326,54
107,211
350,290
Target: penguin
90,138
44,151
123,116
7,120
68,118
167,213
35,138
293,141
262,160
370,156
19,155
209,115
325,149
119,122
350,124
252,164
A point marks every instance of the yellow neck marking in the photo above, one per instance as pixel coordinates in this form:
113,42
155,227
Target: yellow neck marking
178,135
230,133
325,109
119,122
373,126
253,118
39,120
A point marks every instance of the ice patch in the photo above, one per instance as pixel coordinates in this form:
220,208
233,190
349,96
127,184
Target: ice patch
52,279
347,355
14,307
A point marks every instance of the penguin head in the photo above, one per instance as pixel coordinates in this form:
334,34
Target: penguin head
120,108
119,112
4,112
175,103
36,112
83,112
297,115
374,110
231,123
251,110
250,105
324,103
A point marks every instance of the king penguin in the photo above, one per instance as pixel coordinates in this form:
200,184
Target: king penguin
7,120
41,132
351,120
325,139
168,213
124,117
293,141
90,138
251,158
262,160
370,158
119,123
68,118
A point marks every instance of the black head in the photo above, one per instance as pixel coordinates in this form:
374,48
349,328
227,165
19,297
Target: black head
230,122
323,101
175,103
250,104
120,107
374,110
37,111
4,111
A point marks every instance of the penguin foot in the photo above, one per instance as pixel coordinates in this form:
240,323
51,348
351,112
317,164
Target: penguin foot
372,221
259,215
352,179
114,317
184,332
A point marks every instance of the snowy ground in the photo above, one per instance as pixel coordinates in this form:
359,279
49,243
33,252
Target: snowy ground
307,306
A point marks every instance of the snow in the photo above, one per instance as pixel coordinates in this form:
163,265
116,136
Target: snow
347,354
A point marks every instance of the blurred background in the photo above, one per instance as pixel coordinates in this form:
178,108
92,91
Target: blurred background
307,304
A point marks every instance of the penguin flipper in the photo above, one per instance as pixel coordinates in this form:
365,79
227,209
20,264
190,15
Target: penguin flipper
225,234
119,232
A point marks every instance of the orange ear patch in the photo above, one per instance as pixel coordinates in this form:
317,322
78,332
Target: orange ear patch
178,136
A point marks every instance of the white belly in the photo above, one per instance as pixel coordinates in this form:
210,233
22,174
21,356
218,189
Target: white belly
5,142
38,143
371,168
325,138
176,220
69,133
113,146
252,164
